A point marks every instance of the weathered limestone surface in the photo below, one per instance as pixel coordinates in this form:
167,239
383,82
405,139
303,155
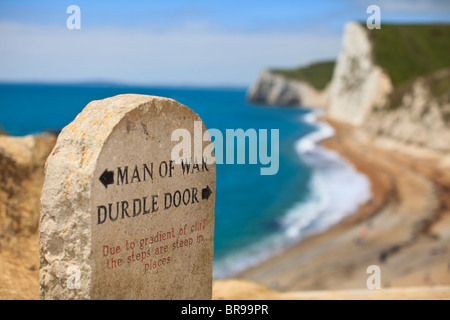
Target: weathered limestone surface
105,190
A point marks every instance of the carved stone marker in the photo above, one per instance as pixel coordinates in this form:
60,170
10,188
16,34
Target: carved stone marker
120,218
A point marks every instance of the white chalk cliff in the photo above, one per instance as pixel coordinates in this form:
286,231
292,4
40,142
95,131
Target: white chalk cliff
275,89
357,84
361,93
421,117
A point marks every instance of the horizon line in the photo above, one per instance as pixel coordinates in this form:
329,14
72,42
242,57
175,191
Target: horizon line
112,84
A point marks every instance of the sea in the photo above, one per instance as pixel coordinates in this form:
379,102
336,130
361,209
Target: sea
256,216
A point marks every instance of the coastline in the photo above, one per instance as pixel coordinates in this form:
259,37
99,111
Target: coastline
403,228
325,204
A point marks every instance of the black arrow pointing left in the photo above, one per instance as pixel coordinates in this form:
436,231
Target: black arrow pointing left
107,178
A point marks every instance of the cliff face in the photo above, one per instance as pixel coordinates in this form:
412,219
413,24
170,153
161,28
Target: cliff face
357,84
393,82
362,94
276,89
417,114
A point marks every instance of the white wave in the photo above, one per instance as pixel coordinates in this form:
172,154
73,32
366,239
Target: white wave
336,191
336,188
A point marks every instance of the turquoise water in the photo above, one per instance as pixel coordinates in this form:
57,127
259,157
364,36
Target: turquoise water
256,215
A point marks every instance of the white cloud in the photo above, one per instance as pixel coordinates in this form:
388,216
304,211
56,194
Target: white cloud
193,55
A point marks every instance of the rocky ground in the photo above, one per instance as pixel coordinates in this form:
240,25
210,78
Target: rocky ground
21,178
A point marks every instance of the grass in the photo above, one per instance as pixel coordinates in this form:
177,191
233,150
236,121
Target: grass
406,52
440,84
318,74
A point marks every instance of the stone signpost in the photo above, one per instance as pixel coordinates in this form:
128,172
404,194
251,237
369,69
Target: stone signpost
120,218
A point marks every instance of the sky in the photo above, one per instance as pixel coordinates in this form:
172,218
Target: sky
180,42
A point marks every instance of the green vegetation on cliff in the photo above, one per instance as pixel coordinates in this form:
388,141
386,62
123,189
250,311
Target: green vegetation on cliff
318,74
406,52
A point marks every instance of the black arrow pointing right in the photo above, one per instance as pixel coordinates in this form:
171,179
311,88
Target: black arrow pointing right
206,193
107,178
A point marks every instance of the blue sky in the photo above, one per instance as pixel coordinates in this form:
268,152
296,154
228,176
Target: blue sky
182,42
